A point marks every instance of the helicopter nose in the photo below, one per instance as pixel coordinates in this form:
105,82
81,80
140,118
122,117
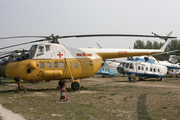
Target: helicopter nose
2,71
120,70
8,71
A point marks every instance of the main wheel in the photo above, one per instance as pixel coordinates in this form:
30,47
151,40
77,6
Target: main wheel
61,84
130,79
75,86
140,78
162,78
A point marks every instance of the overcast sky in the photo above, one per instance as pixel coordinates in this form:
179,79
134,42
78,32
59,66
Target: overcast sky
71,17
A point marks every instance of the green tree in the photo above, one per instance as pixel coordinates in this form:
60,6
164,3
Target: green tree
148,45
139,44
173,45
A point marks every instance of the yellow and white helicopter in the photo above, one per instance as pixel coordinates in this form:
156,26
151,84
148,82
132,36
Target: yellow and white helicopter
54,61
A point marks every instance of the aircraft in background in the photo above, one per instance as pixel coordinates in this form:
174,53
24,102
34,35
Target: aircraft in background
143,66
109,68
54,61
148,66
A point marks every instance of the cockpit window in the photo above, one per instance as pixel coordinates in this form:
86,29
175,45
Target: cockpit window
40,51
126,65
47,48
32,51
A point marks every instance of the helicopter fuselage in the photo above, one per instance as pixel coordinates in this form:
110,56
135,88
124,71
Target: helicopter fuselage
53,69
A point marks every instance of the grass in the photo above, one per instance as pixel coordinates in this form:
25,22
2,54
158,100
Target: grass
98,98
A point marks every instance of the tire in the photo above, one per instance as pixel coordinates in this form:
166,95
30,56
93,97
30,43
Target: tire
162,79
75,86
130,79
140,78
61,84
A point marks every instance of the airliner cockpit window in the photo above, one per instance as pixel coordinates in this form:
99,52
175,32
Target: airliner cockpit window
40,51
32,51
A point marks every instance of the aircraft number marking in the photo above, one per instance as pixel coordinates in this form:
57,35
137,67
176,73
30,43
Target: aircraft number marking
122,52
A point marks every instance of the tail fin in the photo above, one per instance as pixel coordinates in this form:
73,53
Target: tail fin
165,45
166,39
161,37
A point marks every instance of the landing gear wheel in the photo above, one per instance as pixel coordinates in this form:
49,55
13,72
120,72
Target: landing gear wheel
61,83
130,79
75,86
140,78
162,79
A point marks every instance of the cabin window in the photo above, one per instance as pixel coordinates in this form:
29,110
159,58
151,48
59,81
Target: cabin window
131,66
55,65
150,69
126,65
142,68
41,65
47,48
146,68
154,69
139,68
61,64
75,65
40,51
48,65
158,70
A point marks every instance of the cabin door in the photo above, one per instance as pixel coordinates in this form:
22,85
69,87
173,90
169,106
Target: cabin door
76,69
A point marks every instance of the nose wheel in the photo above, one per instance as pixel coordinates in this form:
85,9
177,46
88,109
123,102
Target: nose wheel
61,83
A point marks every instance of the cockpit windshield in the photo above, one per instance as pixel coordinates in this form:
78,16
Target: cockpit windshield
32,51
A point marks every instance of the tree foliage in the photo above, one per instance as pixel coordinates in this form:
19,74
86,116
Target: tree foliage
173,45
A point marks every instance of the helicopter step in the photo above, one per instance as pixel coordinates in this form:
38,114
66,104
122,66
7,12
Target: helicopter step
19,83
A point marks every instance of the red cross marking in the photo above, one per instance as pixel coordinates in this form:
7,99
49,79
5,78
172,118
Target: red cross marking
59,54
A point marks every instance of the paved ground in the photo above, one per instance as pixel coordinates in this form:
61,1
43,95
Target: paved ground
6,114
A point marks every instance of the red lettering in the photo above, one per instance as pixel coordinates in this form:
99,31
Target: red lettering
122,52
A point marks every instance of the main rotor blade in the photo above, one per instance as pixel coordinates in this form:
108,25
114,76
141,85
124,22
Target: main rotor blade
6,53
23,43
23,37
115,35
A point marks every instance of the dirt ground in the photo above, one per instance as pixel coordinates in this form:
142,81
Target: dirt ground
98,98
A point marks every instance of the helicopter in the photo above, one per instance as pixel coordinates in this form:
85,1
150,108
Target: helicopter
55,61
10,56
108,67
143,66
148,66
